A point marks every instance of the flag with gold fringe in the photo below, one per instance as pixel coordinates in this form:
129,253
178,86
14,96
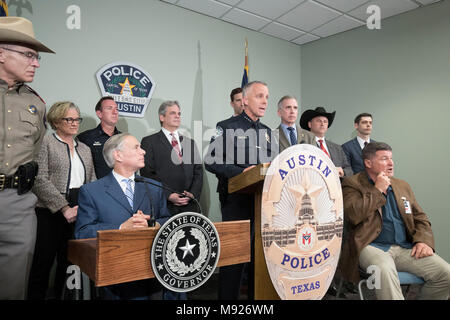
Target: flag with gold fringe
3,9
245,76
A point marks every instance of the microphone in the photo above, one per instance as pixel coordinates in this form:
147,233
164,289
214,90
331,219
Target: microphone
161,186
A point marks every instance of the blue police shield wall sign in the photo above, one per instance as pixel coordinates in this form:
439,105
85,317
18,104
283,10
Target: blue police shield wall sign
185,252
130,86
302,222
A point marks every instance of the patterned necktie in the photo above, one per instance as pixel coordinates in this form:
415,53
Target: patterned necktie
129,191
323,147
365,143
176,146
292,136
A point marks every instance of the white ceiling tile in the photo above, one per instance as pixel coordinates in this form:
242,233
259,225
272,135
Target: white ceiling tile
245,19
281,31
305,38
387,8
208,7
308,15
343,5
230,2
339,24
269,8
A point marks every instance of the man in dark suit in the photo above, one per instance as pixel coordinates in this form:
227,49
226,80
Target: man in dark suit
290,133
118,202
174,160
318,121
353,148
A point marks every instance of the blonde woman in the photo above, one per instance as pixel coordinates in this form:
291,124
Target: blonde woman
65,164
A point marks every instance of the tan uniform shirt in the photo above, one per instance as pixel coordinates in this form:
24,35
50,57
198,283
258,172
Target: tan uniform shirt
22,126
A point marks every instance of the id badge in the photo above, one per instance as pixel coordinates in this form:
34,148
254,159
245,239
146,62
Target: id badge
407,206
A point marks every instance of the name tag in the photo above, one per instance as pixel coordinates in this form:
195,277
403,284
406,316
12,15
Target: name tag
407,206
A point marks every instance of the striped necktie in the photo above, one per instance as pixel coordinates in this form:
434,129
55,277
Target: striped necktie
129,191
292,136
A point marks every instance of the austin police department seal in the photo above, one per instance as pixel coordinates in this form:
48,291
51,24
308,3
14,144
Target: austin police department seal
301,222
130,86
185,252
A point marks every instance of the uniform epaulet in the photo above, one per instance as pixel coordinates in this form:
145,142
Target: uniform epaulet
34,92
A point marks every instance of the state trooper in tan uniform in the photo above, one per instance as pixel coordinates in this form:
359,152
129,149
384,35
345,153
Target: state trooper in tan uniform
22,127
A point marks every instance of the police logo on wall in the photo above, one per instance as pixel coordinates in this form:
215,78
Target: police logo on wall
185,252
302,222
129,85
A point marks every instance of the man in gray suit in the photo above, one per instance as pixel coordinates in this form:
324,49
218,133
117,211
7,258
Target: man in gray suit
290,133
318,121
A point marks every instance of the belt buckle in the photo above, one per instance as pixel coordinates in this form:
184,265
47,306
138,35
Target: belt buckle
2,182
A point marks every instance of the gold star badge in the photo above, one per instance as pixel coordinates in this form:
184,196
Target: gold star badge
126,86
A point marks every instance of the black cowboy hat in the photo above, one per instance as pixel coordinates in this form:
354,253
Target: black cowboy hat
310,114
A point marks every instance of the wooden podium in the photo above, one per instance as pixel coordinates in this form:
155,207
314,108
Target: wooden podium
118,256
252,182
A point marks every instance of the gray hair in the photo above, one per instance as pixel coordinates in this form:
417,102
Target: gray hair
249,85
112,144
280,102
163,107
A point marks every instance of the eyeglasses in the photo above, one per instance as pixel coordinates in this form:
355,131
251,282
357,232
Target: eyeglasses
71,120
27,54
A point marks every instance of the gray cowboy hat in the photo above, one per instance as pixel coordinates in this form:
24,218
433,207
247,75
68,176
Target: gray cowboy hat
18,30
310,114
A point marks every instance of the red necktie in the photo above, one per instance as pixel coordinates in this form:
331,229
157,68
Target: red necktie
176,146
323,147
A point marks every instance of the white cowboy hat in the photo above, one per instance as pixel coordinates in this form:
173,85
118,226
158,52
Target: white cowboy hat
17,30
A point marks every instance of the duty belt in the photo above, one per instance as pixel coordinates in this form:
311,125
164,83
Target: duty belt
8,182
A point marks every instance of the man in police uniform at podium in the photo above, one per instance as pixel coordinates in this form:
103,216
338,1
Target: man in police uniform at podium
22,117
239,144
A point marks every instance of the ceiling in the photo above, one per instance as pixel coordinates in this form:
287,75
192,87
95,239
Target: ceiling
298,21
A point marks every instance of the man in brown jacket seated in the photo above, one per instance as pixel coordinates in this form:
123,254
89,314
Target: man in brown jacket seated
389,230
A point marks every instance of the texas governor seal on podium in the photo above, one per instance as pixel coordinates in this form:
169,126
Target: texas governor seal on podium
185,252
301,222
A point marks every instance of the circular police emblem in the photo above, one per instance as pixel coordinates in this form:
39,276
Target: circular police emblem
32,109
218,133
185,252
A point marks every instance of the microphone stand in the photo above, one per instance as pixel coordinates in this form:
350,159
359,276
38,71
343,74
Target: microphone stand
140,179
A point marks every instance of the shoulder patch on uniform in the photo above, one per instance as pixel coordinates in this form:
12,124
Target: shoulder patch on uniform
218,133
34,92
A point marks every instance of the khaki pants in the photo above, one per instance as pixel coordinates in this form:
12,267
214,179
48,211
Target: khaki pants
17,240
433,269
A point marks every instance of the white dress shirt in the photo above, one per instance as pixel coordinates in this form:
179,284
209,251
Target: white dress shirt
168,135
76,167
323,142
123,184
361,141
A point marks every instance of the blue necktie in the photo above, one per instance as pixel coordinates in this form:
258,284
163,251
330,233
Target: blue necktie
292,136
129,191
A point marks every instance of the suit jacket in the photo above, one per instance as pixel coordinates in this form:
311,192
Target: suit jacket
102,205
353,151
363,219
303,136
339,158
160,167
